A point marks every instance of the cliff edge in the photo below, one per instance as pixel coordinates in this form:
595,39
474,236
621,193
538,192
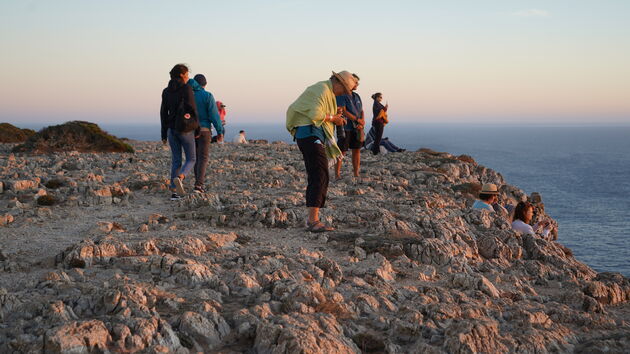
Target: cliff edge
111,264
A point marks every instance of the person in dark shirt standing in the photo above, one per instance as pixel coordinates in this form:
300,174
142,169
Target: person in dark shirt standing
378,121
352,107
178,94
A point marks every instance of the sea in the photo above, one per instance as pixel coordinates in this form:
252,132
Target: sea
582,172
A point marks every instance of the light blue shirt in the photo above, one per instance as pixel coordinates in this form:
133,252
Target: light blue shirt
305,131
479,204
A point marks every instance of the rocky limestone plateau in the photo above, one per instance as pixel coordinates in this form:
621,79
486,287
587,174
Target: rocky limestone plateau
95,258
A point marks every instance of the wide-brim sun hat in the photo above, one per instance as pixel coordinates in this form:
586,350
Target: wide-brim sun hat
347,80
489,188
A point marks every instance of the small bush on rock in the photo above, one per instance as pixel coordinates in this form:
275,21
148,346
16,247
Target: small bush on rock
73,136
12,134
47,200
54,184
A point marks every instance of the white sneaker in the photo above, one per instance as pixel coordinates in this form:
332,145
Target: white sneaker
179,186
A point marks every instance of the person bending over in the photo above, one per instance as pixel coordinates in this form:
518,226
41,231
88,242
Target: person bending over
311,120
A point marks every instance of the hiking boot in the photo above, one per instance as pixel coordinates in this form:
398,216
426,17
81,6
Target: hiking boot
175,196
179,185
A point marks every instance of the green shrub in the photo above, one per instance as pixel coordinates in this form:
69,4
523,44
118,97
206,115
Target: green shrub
76,135
12,134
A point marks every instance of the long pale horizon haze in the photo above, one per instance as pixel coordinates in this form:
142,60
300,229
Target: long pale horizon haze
490,61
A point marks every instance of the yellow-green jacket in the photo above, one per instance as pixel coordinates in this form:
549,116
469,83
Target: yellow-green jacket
310,108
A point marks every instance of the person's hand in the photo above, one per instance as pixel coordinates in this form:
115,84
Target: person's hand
361,122
338,119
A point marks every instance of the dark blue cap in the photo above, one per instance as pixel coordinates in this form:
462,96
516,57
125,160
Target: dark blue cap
201,80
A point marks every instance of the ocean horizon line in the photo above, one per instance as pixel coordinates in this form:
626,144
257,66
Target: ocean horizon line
30,125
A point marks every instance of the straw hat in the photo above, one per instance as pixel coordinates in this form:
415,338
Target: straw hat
489,188
346,78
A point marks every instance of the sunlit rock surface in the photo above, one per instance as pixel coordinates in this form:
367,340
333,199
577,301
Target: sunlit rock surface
106,262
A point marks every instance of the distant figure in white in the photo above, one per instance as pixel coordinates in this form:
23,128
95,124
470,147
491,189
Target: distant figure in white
240,138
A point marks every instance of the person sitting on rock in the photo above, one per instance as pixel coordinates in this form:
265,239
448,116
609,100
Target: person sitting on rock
240,138
311,120
389,146
523,213
488,196
489,200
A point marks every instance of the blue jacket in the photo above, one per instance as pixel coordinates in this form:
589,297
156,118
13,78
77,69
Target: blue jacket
206,107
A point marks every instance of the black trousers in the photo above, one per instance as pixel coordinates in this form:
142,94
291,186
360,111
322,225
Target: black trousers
202,144
316,164
378,135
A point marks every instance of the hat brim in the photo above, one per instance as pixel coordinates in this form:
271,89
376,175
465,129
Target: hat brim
343,82
489,192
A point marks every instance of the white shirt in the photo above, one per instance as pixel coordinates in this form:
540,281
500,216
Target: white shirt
240,139
520,226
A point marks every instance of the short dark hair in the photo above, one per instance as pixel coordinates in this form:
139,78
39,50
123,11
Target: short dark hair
485,196
376,95
178,70
242,131
356,76
520,210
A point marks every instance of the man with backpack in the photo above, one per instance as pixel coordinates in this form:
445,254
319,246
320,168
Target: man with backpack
180,125
208,116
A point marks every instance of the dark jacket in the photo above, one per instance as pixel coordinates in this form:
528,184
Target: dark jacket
171,96
377,107
206,107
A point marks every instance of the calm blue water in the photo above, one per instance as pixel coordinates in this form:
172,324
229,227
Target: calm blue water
583,173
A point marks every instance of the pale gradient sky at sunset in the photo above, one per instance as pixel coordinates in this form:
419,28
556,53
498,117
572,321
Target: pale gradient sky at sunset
564,61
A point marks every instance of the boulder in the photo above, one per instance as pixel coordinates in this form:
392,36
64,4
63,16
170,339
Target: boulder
308,334
78,337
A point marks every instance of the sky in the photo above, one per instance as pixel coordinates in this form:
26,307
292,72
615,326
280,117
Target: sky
483,61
